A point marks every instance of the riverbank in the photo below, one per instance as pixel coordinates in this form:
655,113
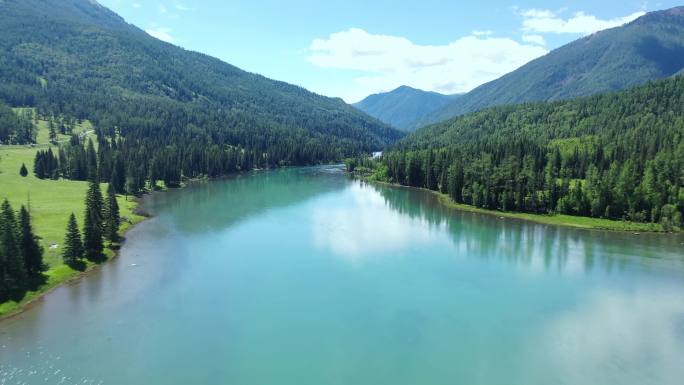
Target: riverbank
60,274
52,231
50,203
548,219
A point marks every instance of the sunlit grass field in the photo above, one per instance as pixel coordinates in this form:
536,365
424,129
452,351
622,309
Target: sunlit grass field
559,219
50,201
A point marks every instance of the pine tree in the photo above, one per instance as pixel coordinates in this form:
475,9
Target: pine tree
95,203
73,247
91,158
38,166
12,270
23,171
118,178
52,170
52,133
112,219
92,225
31,250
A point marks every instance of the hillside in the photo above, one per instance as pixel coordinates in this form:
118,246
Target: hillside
618,155
649,48
77,58
404,107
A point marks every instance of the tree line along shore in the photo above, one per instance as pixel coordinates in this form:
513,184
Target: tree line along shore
43,208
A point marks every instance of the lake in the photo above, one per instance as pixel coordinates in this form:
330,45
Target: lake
307,277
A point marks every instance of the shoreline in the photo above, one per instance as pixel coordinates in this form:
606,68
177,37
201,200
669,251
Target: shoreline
64,275
570,221
72,276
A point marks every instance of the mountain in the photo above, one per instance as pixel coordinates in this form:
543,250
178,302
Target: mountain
404,107
77,58
649,48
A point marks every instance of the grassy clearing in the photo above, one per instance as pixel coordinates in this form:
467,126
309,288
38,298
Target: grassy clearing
51,202
558,219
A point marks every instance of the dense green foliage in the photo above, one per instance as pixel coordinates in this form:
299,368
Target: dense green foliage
21,256
649,48
404,107
31,250
93,224
46,165
72,253
166,112
618,155
15,128
112,221
101,222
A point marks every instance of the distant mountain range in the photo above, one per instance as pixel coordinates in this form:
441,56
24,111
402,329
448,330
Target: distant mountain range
649,48
404,107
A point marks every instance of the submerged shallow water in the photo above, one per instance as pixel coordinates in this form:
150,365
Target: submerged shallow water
304,276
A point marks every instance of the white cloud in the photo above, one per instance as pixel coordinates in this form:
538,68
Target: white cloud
482,33
537,13
545,21
391,61
534,39
161,33
136,5
182,7
162,8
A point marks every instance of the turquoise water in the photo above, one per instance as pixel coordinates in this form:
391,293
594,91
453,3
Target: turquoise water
304,276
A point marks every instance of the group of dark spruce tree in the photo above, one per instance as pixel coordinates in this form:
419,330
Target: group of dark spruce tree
101,221
21,254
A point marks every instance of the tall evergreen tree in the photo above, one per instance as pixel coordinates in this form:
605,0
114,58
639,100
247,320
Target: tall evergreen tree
52,133
23,171
12,270
73,246
38,165
31,250
95,203
91,157
92,225
112,219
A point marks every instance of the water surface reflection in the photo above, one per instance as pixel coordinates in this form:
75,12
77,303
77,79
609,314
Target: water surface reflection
304,276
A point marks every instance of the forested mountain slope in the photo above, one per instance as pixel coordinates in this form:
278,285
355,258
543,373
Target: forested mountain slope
649,48
404,107
15,128
618,155
76,58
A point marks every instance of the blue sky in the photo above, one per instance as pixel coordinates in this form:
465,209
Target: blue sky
354,48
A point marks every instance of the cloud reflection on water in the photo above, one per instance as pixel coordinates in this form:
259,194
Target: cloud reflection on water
386,220
602,332
367,228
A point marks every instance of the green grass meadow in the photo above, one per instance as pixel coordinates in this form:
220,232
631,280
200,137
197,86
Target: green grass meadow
558,219
51,202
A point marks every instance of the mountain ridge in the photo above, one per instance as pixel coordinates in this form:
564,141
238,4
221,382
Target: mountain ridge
76,57
648,48
404,106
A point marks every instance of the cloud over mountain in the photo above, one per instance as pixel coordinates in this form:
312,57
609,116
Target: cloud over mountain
390,60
